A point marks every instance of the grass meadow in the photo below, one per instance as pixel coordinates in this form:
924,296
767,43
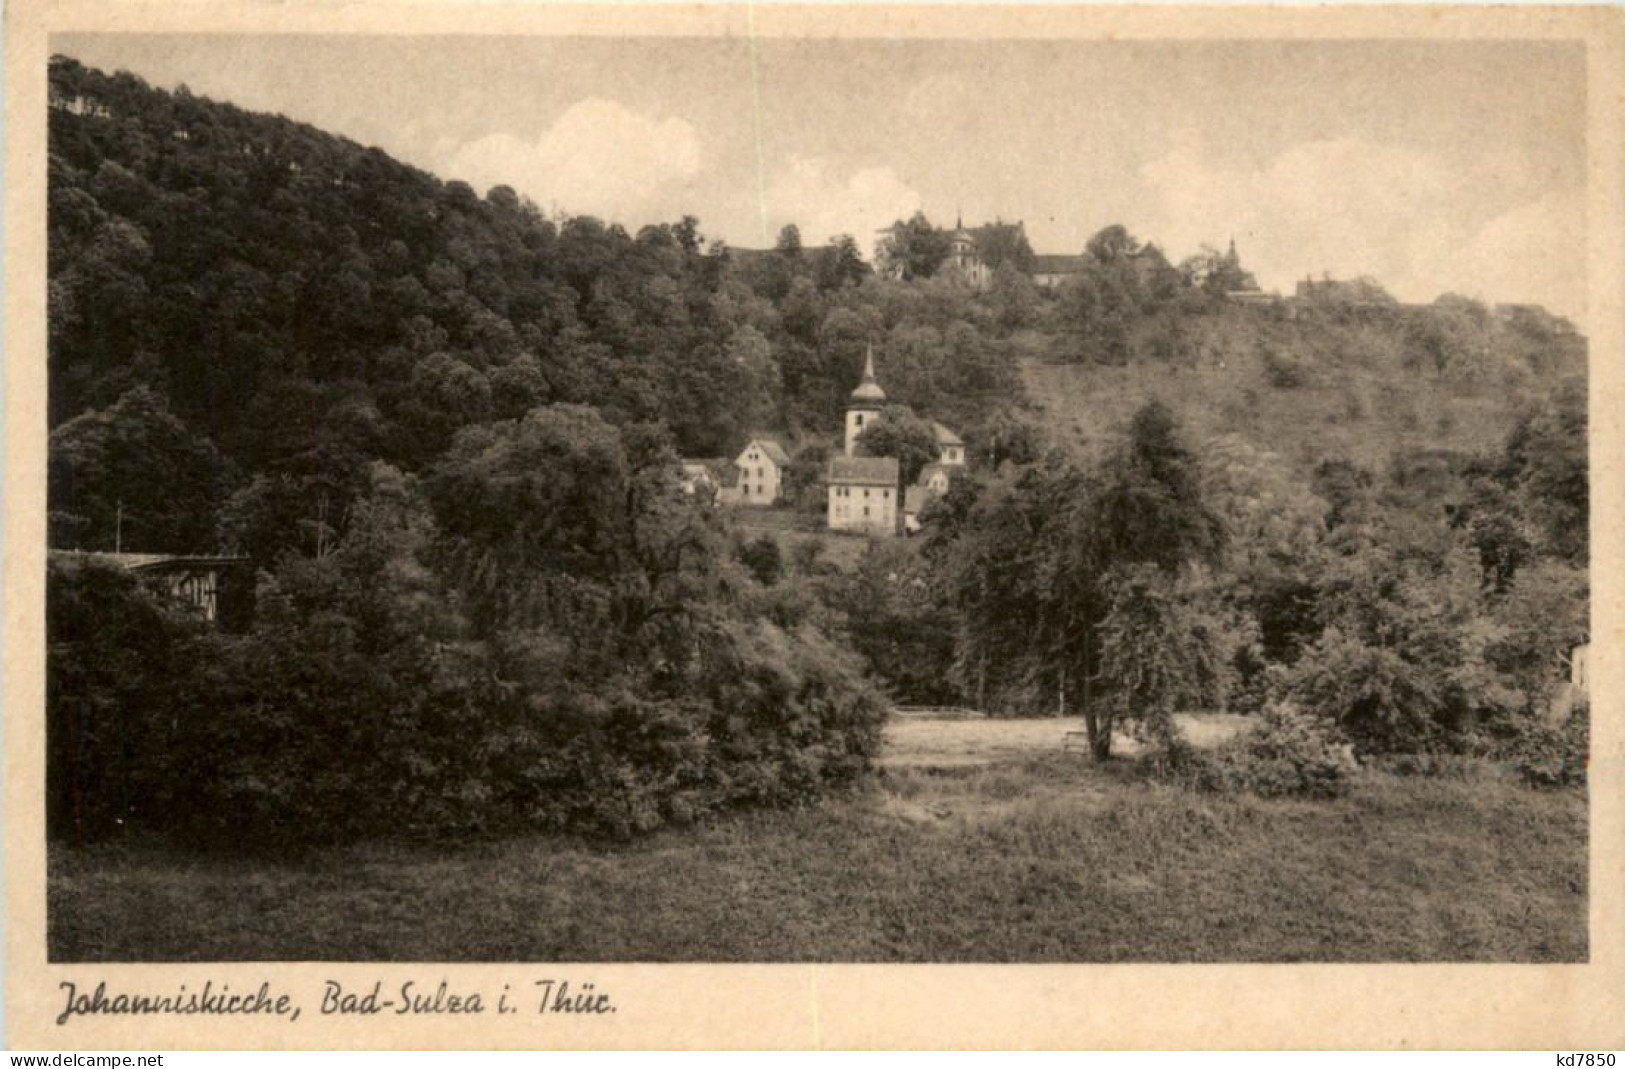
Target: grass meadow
1041,857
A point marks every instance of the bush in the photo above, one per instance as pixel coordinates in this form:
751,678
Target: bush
1552,755
1283,370
363,704
1290,754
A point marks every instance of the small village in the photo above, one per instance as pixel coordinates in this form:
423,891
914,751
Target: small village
866,496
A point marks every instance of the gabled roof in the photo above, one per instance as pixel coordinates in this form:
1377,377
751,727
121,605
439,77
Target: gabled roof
944,435
931,469
863,471
1059,265
775,452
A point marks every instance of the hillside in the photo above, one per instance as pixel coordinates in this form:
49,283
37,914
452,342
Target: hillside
1321,383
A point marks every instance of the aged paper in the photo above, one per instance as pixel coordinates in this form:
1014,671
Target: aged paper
767,1004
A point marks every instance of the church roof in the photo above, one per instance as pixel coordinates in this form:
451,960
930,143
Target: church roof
863,471
869,390
944,435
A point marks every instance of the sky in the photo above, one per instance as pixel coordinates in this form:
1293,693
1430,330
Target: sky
1443,166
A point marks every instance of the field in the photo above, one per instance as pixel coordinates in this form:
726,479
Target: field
1007,850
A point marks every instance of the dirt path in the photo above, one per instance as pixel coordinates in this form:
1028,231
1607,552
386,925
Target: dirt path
925,743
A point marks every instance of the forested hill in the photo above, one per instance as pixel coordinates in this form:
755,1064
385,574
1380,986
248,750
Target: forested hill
303,304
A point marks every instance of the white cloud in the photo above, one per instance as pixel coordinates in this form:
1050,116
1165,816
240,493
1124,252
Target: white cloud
1350,206
823,203
1535,253
599,158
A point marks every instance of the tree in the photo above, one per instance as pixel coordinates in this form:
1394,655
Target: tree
898,432
915,248
1155,657
1000,244
1015,295
1111,243
1549,449
789,242
1152,509
134,477
842,264
763,558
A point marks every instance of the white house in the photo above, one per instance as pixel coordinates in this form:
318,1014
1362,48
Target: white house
863,495
761,467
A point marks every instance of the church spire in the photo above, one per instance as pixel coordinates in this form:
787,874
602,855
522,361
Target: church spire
868,393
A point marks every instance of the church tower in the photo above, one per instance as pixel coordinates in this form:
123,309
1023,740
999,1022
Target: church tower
867,401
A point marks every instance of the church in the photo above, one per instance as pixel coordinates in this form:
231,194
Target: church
865,495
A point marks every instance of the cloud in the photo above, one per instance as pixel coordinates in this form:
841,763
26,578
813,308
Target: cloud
1534,253
1351,206
599,158
824,203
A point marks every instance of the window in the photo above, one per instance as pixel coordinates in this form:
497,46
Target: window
860,419
886,494
866,510
865,491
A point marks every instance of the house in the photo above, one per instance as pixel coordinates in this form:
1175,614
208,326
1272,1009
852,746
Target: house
1050,271
950,447
203,582
863,495
761,467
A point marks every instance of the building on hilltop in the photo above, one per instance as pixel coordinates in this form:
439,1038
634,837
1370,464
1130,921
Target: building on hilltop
974,252
965,258
1051,271
863,495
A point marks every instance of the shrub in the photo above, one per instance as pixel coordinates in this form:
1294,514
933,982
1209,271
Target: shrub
1552,755
1283,370
1289,754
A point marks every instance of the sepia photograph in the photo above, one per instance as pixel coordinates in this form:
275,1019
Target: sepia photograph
847,501
797,498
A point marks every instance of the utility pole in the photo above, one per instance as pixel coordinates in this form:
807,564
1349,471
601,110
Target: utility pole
118,529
